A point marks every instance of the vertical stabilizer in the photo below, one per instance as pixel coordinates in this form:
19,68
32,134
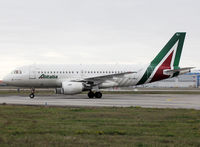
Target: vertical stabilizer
167,58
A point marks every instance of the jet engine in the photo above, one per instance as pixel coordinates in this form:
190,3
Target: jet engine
71,88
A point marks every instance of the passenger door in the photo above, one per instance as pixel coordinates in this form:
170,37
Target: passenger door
32,73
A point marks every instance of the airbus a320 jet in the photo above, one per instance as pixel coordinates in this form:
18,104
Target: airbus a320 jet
73,79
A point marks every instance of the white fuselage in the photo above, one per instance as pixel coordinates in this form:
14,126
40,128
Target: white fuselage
73,79
52,76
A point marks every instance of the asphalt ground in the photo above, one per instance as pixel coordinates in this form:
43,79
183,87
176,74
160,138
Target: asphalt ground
188,101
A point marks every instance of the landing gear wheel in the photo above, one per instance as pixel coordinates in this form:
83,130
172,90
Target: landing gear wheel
98,94
32,95
91,94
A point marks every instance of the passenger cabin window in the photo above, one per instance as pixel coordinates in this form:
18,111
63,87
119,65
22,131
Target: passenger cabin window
17,72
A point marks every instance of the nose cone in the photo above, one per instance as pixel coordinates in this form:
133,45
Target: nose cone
6,80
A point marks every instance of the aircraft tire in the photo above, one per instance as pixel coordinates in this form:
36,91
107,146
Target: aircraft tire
91,94
32,95
98,95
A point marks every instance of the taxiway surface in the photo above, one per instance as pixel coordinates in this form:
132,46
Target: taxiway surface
110,100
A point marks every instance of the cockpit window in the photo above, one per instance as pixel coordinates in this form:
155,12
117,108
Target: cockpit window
17,72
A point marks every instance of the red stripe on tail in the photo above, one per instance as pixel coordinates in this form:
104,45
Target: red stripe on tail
159,73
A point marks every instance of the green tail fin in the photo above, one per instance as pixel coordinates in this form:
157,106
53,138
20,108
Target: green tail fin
178,38
169,56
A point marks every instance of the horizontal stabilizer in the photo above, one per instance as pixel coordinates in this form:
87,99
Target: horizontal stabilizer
177,71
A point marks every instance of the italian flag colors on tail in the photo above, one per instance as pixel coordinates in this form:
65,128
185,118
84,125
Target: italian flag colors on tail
167,58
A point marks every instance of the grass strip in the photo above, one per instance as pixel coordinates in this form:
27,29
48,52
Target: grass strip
74,126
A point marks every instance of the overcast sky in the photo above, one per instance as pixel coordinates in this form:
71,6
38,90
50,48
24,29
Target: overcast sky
95,31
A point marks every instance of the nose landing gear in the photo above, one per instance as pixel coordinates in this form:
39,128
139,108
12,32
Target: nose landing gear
32,95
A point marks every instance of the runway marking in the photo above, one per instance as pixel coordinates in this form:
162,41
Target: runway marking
169,100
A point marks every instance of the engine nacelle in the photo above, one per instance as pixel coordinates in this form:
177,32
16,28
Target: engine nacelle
71,88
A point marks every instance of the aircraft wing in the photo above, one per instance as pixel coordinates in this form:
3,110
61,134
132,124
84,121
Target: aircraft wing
100,79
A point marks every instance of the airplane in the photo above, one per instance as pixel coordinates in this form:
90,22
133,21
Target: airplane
74,79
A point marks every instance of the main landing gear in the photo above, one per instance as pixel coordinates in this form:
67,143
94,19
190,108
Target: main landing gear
96,94
32,95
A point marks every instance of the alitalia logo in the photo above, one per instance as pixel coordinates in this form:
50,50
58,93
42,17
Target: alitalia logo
167,58
43,76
